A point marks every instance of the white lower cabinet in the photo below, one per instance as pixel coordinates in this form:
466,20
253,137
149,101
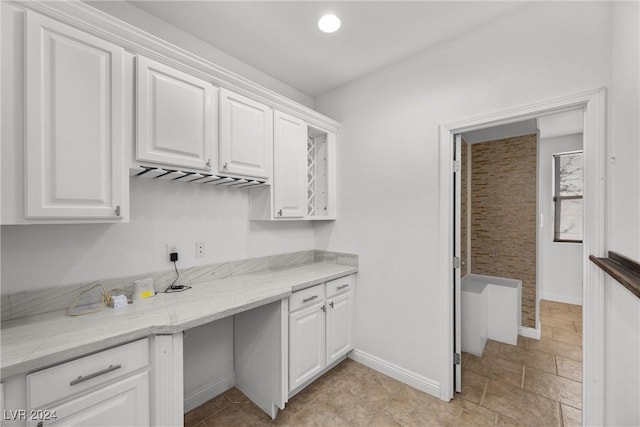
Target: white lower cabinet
122,403
339,326
320,330
306,344
109,388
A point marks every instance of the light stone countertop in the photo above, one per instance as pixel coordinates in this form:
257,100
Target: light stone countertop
36,342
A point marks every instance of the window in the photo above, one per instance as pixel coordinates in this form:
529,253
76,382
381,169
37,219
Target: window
567,196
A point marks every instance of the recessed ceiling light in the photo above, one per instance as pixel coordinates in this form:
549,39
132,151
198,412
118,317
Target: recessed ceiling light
329,23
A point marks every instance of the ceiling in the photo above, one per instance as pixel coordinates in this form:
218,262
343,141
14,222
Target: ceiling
281,38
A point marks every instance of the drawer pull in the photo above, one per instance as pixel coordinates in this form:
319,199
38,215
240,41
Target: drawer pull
82,379
310,298
342,286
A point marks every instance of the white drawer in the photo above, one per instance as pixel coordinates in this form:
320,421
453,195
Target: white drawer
338,286
306,298
58,382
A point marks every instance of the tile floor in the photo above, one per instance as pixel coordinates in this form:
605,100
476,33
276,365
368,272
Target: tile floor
537,382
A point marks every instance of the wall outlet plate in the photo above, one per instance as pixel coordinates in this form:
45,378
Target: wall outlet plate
201,249
171,247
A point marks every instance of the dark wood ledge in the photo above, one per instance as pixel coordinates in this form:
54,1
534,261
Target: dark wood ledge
623,269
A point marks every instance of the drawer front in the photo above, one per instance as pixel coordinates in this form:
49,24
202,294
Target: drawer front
58,382
306,298
338,286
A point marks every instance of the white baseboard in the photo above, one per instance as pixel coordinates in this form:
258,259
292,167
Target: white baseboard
394,371
530,332
562,298
208,392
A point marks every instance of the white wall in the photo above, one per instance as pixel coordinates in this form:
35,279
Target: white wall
208,362
561,263
142,19
41,256
622,309
388,158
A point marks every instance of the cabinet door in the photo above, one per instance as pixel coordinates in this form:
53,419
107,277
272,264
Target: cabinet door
176,117
74,123
306,344
289,177
124,403
246,136
339,326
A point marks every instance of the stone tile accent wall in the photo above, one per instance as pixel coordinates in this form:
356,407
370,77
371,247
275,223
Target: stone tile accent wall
503,214
464,208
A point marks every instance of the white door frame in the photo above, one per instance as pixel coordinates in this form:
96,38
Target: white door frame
594,106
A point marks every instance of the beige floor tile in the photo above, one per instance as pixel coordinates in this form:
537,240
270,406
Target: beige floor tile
564,314
471,419
523,341
521,405
568,368
353,395
508,372
398,406
491,348
473,386
570,351
503,421
575,308
566,336
317,414
379,419
547,321
236,396
571,417
554,387
545,304
479,365
474,408
205,410
239,414
531,358
497,368
438,413
578,327
465,357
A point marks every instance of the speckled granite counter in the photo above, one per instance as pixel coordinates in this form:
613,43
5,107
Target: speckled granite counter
34,342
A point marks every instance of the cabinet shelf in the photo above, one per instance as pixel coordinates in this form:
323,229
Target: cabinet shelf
623,269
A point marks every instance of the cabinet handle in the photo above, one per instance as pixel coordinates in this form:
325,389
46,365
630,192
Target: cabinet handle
82,379
226,164
310,298
342,287
280,212
331,304
323,308
208,163
117,210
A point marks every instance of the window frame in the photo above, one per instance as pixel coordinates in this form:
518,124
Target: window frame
557,200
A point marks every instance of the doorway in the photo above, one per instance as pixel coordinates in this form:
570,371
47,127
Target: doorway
506,181
593,313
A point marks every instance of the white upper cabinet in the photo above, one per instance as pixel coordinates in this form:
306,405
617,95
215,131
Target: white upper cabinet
246,136
289,180
176,115
74,125
304,174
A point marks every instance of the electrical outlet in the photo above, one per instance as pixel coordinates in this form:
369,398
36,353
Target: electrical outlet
171,247
201,249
